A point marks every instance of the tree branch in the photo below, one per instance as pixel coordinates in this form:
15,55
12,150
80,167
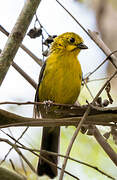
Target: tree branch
16,36
95,37
32,150
31,54
107,148
106,118
25,75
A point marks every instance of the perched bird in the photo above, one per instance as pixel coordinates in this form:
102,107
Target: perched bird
60,82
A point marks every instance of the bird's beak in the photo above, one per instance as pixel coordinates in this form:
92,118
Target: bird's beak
82,46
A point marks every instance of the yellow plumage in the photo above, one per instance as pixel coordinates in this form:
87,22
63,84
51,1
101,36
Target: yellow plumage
62,75
60,81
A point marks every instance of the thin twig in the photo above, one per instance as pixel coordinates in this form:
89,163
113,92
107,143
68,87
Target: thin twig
12,147
73,18
37,103
75,160
32,151
37,19
21,161
72,141
25,75
56,154
23,166
68,106
98,79
25,159
72,159
108,57
107,148
19,152
13,166
88,89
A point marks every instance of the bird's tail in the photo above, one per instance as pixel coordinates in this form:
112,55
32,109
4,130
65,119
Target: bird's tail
50,142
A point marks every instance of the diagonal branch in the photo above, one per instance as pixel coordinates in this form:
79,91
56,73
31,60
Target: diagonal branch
25,75
16,36
19,152
31,54
106,147
95,37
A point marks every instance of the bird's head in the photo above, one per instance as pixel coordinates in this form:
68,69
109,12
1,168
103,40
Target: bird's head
68,42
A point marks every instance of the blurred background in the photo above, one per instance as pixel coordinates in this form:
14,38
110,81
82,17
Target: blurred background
95,15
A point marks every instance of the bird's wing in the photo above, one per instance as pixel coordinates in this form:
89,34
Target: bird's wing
36,107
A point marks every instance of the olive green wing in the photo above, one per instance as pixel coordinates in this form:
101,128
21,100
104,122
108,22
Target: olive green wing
36,107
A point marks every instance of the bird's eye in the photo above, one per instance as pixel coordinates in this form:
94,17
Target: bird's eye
72,40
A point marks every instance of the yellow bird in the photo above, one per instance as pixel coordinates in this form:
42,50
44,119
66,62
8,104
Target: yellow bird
60,82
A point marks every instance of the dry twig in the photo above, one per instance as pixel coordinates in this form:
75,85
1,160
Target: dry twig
19,152
12,147
56,154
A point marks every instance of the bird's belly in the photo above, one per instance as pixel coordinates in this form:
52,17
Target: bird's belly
61,88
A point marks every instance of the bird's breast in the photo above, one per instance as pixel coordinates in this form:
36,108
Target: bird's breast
61,81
